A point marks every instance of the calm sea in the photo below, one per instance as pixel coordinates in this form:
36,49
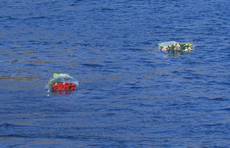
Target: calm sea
130,94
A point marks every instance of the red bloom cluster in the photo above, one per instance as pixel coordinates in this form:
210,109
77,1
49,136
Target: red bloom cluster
64,87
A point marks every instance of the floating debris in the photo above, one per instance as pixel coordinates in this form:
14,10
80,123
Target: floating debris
173,47
62,82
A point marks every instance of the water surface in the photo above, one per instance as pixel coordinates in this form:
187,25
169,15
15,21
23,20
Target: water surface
131,94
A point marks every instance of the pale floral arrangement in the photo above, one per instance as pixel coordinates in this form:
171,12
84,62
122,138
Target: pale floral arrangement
173,46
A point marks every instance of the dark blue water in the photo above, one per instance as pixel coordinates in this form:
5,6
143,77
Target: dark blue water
131,94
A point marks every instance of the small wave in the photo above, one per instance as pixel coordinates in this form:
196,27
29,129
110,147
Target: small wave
93,65
8,125
218,99
213,124
107,9
35,18
38,62
134,49
226,109
15,78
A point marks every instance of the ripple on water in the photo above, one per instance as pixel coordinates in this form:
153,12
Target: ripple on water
131,94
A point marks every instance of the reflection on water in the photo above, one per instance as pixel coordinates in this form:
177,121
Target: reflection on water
15,78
